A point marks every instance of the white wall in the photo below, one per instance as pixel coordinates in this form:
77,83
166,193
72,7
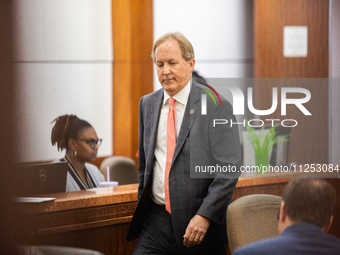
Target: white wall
220,31
64,61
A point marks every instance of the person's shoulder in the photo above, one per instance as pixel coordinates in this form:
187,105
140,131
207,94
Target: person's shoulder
91,167
333,240
151,99
152,95
217,98
95,172
263,247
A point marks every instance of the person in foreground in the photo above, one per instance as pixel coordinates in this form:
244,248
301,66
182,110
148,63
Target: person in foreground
81,143
177,214
305,217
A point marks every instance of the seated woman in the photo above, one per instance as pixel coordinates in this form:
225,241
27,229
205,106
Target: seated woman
81,143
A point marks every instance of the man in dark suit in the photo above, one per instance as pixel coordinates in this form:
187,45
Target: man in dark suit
183,212
305,217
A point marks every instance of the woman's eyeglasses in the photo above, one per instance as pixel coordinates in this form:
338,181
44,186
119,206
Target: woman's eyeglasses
92,142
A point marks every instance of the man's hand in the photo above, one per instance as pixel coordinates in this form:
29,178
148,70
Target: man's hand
196,230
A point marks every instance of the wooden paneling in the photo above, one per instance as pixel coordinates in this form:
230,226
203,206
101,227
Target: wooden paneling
249,186
94,219
132,24
269,19
309,140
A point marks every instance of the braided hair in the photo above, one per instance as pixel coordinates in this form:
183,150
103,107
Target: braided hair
66,127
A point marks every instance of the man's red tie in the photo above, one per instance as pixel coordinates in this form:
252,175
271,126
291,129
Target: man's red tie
170,148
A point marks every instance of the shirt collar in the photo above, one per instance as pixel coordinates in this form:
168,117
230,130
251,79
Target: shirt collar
181,97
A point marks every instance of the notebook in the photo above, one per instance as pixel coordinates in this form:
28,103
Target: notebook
40,179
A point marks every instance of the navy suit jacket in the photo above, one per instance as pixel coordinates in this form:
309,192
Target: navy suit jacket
298,239
197,139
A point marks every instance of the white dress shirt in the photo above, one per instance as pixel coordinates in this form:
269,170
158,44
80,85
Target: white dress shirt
157,193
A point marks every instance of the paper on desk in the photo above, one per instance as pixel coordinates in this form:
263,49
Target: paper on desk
33,199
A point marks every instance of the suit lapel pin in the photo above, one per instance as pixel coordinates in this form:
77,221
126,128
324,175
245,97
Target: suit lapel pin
192,111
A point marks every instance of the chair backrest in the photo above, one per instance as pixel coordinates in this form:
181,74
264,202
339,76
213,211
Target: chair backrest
55,250
252,218
122,169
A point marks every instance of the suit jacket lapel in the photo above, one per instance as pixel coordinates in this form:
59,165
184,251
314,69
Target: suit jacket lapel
191,110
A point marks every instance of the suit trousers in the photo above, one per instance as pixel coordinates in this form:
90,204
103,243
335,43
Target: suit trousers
157,235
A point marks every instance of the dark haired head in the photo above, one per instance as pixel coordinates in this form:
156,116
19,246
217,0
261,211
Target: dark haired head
67,127
311,200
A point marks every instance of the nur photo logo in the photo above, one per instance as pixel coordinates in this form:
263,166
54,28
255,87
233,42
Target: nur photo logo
204,98
240,101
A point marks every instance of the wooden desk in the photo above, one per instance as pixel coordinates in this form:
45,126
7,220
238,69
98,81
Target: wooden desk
95,219
98,219
247,186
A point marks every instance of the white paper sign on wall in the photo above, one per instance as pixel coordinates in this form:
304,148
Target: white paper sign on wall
295,41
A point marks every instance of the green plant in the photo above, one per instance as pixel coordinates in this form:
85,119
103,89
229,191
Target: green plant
263,145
